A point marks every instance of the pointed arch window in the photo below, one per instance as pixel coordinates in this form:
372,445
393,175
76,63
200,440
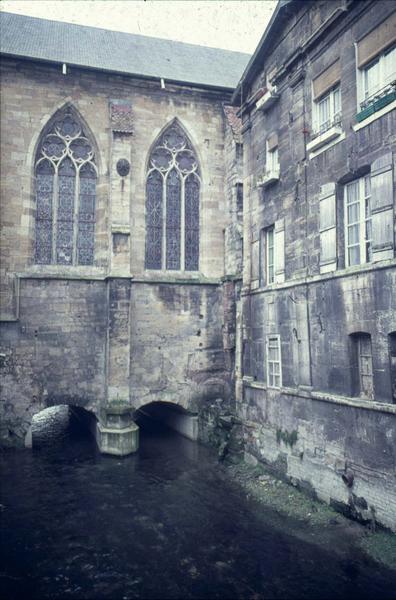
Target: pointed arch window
172,204
66,176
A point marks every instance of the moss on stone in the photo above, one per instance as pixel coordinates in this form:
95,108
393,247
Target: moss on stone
310,519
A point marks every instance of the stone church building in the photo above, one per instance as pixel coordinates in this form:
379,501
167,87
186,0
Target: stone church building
213,233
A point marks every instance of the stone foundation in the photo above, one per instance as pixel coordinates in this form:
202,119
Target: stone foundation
117,433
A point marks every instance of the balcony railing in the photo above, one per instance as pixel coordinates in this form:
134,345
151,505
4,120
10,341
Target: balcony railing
385,91
326,125
328,132
377,101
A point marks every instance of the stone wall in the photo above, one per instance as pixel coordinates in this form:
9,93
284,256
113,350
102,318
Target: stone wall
54,353
177,346
316,425
111,331
313,442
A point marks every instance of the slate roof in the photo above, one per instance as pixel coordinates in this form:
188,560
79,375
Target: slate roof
127,53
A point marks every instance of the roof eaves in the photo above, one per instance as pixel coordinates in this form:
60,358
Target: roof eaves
193,84
246,75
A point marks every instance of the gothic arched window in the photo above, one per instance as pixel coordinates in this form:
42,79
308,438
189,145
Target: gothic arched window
172,204
65,194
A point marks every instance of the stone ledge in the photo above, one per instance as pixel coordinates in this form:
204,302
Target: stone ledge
374,116
348,272
61,273
178,281
325,397
130,429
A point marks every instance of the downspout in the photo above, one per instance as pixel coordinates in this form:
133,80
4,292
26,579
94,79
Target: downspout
306,220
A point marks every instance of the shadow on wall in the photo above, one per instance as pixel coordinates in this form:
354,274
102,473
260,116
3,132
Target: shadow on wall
59,423
157,414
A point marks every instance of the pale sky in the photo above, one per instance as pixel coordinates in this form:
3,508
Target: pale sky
232,24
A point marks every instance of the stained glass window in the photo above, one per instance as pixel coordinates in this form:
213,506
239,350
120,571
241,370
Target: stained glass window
65,194
172,204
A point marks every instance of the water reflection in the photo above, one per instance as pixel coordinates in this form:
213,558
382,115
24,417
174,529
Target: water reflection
163,523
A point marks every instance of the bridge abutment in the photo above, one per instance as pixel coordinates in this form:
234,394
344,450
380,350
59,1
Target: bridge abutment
116,432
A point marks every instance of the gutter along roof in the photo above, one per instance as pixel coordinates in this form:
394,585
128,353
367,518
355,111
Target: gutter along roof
118,52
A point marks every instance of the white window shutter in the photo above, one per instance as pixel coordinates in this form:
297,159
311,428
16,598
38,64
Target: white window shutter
382,207
279,250
327,228
255,257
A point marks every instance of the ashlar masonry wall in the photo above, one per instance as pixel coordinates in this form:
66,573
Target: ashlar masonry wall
316,425
113,330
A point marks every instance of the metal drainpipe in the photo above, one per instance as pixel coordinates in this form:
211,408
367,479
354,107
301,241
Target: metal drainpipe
306,220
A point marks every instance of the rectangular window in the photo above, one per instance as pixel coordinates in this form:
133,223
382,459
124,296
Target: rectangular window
365,363
267,256
377,77
362,366
239,198
273,160
328,110
358,222
269,244
274,361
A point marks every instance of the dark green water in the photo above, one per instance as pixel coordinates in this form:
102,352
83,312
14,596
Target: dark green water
165,523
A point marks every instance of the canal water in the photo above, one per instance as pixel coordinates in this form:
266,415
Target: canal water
164,523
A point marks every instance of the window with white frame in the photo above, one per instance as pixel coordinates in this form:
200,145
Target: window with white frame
377,76
358,247
328,110
272,159
269,255
274,365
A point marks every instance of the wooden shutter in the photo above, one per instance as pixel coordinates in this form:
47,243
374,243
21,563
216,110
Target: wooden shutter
377,40
279,251
382,207
326,80
255,257
262,265
327,228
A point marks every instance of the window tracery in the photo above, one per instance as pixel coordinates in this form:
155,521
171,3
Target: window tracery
66,177
172,204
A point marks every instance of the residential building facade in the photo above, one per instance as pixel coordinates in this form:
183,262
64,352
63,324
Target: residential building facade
317,390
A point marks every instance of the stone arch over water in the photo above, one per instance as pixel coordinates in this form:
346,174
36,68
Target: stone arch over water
54,423
172,415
